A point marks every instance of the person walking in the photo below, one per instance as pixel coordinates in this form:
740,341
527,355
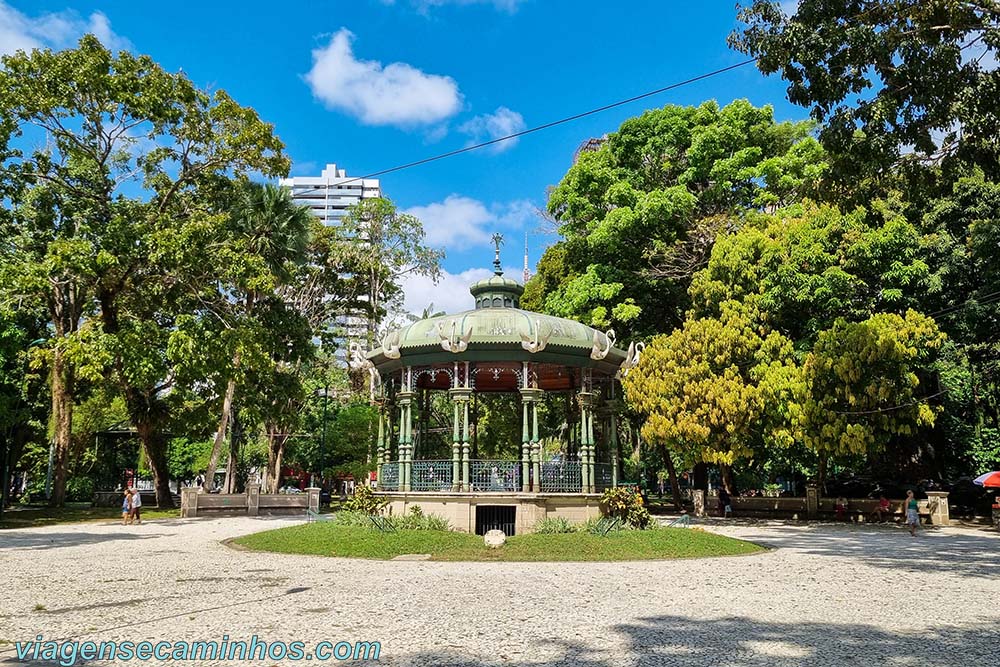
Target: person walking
912,516
126,506
725,502
136,506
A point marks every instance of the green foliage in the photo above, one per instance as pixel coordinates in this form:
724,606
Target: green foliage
862,383
807,265
652,198
624,503
554,525
365,501
417,520
890,79
385,246
187,458
716,389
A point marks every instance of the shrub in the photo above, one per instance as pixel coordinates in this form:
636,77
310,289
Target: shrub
365,501
553,525
79,489
626,504
417,520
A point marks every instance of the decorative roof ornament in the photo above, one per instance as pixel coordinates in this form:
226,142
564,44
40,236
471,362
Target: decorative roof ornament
631,358
454,341
358,361
390,345
609,342
538,343
497,239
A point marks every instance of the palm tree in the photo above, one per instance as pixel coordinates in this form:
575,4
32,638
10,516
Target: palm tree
427,313
264,223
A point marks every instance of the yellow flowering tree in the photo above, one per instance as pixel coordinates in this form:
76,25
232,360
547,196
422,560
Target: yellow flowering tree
717,388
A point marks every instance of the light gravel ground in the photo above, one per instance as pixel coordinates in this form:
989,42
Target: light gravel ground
826,595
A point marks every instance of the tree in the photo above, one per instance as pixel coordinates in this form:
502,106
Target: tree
638,215
385,246
891,80
805,266
125,188
267,241
862,384
716,389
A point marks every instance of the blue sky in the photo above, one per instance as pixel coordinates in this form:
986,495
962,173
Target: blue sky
370,84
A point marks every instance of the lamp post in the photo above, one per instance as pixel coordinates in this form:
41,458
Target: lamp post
8,441
322,436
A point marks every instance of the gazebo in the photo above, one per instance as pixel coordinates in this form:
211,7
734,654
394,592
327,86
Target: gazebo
453,363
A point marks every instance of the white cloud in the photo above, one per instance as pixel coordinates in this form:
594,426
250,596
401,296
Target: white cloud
394,94
460,222
57,30
450,294
509,6
500,123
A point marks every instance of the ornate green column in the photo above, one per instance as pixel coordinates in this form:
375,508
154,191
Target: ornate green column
380,457
405,399
586,400
525,444
531,455
465,442
608,413
460,437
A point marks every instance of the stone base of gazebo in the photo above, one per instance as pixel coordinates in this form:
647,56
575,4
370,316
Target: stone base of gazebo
476,512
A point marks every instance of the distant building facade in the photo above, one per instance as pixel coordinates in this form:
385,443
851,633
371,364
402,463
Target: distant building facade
330,194
589,146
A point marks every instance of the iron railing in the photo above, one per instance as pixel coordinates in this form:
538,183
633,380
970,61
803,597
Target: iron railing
562,477
495,475
602,476
431,476
390,477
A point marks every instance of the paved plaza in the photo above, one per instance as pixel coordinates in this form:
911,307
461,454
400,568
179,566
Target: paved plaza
825,595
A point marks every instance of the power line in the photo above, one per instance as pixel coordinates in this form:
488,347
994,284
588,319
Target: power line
895,407
983,300
554,123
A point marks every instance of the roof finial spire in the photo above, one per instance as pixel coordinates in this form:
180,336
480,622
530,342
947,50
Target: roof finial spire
527,274
497,241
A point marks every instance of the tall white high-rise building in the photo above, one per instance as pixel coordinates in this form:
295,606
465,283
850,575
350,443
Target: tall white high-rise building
330,194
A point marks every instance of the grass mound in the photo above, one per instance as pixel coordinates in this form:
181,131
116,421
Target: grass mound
329,539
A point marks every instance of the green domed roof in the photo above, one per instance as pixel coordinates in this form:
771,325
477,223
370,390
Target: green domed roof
498,330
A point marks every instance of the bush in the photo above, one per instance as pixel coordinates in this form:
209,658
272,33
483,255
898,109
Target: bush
417,520
554,525
79,489
365,501
626,504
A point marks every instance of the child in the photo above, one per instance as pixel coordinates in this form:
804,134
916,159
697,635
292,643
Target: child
841,509
126,507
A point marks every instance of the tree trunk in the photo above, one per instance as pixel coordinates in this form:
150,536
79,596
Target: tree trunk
275,453
156,455
62,417
700,474
220,436
675,487
235,442
821,473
